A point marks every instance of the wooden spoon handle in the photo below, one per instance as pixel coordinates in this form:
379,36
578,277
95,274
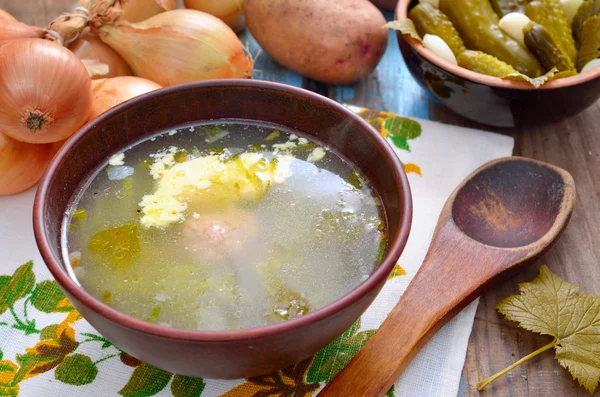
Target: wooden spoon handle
379,363
447,282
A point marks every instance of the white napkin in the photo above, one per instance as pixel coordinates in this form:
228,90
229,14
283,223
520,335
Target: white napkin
444,154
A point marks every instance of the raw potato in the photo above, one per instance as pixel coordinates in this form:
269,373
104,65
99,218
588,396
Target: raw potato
336,42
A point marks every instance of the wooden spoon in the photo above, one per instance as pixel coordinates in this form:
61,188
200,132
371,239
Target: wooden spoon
503,216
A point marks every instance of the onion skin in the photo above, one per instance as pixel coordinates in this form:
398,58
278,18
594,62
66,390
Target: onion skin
179,46
4,14
108,93
22,164
89,47
140,10
46,91
11,29
229,11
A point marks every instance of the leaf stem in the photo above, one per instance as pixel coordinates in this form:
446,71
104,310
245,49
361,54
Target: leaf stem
25,307
17,319
28,327
484,383
105,358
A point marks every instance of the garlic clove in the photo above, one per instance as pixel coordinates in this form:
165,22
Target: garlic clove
439,47
571,7
513,24
593,64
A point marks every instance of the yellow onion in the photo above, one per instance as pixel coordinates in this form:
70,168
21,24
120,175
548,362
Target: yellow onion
229,11
108,93
22,164
93,52
179,46
46,91
4,14
11,29
139,10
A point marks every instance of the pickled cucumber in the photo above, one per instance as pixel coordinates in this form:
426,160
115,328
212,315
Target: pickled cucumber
543,44
551,15
564,74
587,10
477,24
430,20
483,63
590,42
503,7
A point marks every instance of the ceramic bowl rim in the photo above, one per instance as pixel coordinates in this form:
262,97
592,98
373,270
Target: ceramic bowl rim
401,13
396,171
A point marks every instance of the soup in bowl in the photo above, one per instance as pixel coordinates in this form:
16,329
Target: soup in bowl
223,229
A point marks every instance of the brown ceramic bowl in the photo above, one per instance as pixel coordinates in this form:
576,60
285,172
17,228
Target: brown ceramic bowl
491,100
226,354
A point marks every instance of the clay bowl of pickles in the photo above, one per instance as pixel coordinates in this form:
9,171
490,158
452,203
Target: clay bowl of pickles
478,54
223,229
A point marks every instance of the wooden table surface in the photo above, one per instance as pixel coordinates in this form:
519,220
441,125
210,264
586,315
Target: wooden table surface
573,144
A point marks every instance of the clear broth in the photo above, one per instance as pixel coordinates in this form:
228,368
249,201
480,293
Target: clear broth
301,245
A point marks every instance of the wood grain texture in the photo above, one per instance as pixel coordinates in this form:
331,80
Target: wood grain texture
573,144
457,268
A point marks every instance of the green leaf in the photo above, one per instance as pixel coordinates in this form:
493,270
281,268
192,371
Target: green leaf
335,356
47,295
28,327
154,315
391,392
400,130
186,386
49,332
551,306
400,142
31,363
105,342
355,180
8,391
361,338
18,286
401,126
76,370
146,381
1,354
79,215
117,246
404,26
273,135
4,280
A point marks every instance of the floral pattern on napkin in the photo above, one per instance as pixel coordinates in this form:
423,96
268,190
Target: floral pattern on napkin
22,301
24,304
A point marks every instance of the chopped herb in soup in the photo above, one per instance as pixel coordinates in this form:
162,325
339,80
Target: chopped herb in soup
224,226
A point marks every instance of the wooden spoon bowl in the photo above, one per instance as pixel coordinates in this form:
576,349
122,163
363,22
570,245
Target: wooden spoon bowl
510,204
502,217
